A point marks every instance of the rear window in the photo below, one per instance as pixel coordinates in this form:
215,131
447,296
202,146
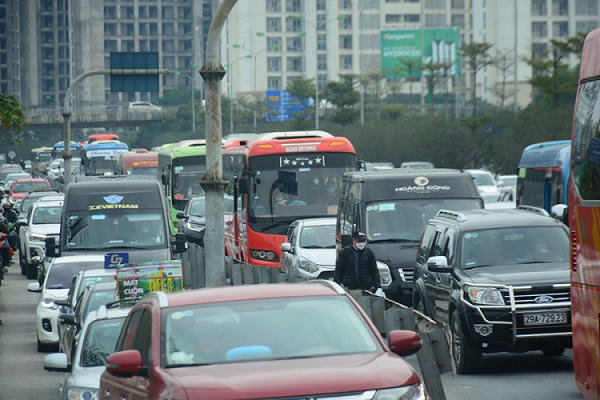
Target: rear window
29,186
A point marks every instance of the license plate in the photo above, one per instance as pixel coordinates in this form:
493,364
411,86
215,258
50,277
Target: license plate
545,318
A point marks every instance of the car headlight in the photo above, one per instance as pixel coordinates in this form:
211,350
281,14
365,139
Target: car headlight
411,392
82,393
195,227
36,237
48,303
308,265
485,295
384,274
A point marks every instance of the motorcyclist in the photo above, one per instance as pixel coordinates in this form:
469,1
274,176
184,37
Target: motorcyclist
5,252
11,220
10,214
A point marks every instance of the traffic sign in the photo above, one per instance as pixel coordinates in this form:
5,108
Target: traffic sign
111,260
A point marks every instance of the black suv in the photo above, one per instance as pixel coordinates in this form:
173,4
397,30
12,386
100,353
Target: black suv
499,279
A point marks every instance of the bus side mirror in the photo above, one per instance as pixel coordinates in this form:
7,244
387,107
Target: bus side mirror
346,240
243,186
52,249
163,179
362,166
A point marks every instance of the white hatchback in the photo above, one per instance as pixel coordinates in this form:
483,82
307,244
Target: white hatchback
143,106
56,286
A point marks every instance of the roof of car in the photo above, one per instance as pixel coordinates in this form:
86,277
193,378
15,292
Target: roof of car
98,271
403,172
497,218
245,292
78,258
45,203
106,313
318,221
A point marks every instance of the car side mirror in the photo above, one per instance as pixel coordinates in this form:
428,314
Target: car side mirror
180,215
179,245
125,364
405,343
438,264
52,249
286,247
67,319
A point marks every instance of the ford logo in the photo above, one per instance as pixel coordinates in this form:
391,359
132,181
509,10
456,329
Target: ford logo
544,299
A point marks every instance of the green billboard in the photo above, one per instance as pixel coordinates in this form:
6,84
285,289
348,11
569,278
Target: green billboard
440,46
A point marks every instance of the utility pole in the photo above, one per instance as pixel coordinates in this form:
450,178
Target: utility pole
213,181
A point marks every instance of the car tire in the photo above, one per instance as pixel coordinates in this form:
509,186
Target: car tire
32,270
22,263
467,354
554,352
419,305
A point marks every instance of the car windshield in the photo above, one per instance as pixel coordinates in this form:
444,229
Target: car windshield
198,206
100,341
404,220
318,237
61,274
484,179
115,229
98,298
514,246
29,186
47,215
266,329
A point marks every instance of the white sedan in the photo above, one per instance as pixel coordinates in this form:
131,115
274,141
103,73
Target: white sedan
56,286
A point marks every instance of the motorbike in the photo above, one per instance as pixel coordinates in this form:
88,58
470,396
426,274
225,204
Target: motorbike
5,252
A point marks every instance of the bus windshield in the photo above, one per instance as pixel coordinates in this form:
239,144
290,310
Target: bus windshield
115,229
143,171
286,187
187,173
100,165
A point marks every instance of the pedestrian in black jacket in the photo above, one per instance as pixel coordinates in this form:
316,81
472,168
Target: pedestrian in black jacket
356,267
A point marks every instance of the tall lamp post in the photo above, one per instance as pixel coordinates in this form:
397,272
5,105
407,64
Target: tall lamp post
230,66
191,78
255,56
317,28
360,57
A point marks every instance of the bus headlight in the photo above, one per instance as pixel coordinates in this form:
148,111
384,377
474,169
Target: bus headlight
264,255
485,295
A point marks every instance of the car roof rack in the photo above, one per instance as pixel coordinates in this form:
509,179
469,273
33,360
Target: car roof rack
460,217
537,210
327,282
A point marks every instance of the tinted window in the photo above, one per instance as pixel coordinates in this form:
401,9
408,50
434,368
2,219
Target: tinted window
100,341
586,142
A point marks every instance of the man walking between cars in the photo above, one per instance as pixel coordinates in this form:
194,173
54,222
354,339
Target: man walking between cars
356,267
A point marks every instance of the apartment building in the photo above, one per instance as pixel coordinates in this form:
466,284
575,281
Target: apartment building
46,44
523,30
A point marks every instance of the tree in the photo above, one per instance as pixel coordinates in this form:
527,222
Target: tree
302,88
476,57
373,81
11,116
410,68
504,63
433,73
344,97
551,76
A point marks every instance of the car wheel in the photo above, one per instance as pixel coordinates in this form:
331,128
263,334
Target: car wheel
467,354
554,352
32,271
22,263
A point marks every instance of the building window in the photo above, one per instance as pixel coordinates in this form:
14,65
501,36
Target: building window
127,30
560,7
273,64
321,22
273,43
110,29
539,51
560,29
460,4
169,46
110,12
321,42
585,26
168,13
539,7
294,64
458,21
346,23
321,5
273,5
392,18
539,29
322,62
168,29
143,11
346,41
412,18
293,25
346,62
127,45
127,12
294,44
345,4
586,7
273,83
293,6
273,24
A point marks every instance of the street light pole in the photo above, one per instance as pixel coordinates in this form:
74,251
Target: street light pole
230,66
193,100
360,58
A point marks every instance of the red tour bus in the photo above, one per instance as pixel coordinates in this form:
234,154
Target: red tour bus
102,136
584,222
275,179
134,163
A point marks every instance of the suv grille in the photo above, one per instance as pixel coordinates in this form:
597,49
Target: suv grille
527,295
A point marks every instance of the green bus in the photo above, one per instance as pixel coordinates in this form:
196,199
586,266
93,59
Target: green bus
180,170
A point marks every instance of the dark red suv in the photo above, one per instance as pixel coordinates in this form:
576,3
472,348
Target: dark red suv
293,341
